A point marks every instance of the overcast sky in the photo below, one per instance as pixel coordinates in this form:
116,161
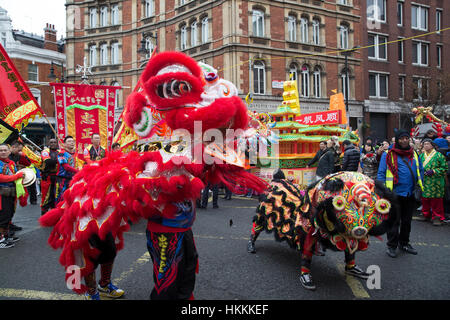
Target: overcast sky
32,15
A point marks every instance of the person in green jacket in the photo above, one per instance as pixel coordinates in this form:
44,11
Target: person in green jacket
435,169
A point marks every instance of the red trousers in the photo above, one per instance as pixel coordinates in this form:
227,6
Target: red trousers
437,208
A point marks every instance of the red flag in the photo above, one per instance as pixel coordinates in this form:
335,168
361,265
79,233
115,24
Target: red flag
17,104
82,110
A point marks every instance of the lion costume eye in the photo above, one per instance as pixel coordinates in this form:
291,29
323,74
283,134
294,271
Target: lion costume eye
339,203
383,206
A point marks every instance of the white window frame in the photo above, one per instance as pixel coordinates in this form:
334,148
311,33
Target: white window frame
401,6
3,39
34,72
194,34
104,54
258,23
115,53
344,2
439,56
304,26
418,15
343,37
114,14
401,80
259,69
345,81
316,32
419,53
377,85
438,20
305,82
377,47
205,30
292,28
93,55
401,47
93,17
420,87
149,8
103,16
183,38
376,14
317,82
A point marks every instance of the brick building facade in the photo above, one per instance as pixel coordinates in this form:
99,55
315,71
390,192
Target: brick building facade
254,44
33,56
404,73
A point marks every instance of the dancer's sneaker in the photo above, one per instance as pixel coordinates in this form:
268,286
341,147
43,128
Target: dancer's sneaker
307,282
251,247
5,244
357,272
110,291
95,296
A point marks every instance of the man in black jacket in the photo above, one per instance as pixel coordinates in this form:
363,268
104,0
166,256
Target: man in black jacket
325,159
351,157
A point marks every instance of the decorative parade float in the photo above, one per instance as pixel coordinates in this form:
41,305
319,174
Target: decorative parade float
299,136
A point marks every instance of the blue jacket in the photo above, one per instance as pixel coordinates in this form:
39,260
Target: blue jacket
405,185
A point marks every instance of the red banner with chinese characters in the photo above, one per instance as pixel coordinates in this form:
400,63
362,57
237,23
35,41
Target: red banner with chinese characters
82,110
17,104
320,118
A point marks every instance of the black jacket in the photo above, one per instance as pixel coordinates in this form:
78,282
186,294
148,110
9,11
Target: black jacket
326,162
351,159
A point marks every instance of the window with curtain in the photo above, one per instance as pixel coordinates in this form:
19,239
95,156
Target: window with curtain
183,37
317,84
305,81
104,54
149,8
316,31
103,16
93,17
205,30
258,23
259,77
93,55
292,28
343,36
115,14
304,30
194,34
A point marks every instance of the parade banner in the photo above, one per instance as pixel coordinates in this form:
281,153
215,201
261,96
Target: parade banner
337,102
320,118
7,133
82,110
17,104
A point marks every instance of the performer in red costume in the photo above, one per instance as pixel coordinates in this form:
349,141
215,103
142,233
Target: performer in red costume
159,186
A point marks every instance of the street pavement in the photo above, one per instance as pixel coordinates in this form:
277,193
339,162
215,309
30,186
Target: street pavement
31,271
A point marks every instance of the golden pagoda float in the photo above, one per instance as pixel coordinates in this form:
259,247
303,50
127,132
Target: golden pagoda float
299,136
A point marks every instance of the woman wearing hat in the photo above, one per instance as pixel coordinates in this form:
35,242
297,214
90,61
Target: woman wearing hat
435,169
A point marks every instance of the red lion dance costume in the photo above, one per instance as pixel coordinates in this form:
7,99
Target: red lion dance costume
160,186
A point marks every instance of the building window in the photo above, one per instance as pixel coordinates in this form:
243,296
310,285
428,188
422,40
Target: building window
376,10
103,16
345,84
420,53
343,36
420,89
258,23
93,55
104,54
205,30
149,8
377,49
93,17
438,20
401,50
316,32
304,30
378,85
259,78
293,72
439,56
419,17
317,84
115,53
343,2
305,81
33,72
183,38
149,46
292,28
194,34
401,87
400,13
115,14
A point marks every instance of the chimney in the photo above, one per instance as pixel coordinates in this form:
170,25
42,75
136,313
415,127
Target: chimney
50,37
